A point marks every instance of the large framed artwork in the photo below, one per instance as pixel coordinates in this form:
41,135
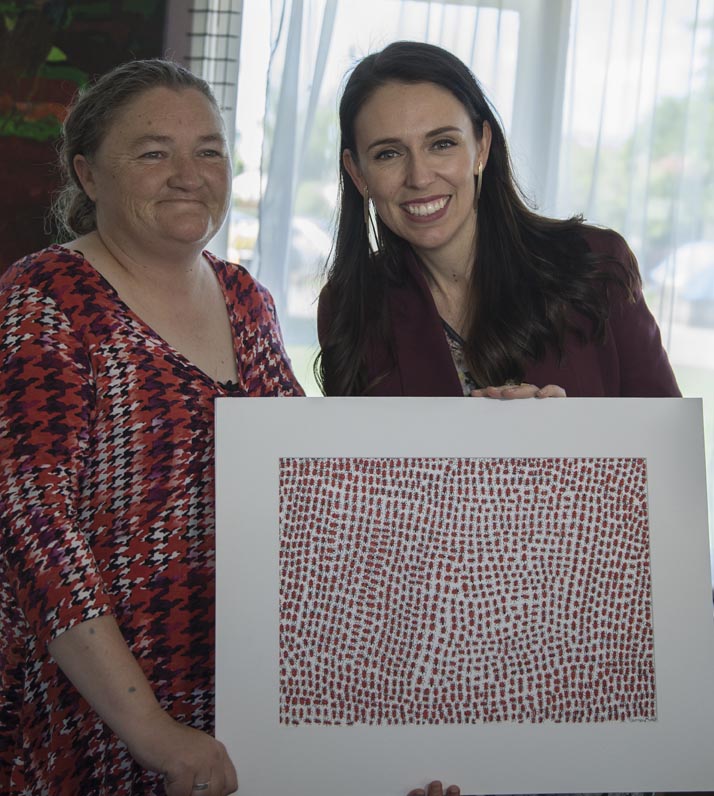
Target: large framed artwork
512,596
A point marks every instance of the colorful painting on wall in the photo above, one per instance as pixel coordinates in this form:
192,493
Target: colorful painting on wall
47,51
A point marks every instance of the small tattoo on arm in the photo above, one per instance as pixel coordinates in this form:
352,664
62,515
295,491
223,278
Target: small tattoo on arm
131,689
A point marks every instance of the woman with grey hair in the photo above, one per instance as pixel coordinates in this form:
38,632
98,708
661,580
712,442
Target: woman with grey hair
113,347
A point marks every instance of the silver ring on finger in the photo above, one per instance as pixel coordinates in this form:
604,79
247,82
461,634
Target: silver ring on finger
202,785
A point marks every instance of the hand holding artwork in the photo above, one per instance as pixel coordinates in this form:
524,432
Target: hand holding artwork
509,392
97,660
436,789
186,757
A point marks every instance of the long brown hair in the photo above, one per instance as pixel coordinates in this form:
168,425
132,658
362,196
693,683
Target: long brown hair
532,271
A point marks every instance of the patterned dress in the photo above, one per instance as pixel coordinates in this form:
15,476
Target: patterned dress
106,507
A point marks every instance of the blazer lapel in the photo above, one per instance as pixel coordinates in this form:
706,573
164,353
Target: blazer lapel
424,360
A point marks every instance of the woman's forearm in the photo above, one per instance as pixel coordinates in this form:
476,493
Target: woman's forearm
100,665
98,662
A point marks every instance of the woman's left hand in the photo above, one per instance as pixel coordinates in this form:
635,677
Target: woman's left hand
436,789
508,392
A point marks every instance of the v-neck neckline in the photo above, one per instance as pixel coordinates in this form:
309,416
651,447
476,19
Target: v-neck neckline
217,266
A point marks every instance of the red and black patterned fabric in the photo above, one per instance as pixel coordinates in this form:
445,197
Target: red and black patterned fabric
106,506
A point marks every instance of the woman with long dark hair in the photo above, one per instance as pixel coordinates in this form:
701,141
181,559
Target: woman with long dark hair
443,281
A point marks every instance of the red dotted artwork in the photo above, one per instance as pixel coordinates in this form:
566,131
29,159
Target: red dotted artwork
456,591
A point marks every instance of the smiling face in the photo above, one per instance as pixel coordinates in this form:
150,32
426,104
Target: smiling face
161,175
417,154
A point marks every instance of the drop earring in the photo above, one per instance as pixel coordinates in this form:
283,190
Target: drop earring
369,227
479,181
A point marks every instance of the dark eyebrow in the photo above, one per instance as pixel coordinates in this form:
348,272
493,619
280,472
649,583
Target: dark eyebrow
382,142
430,134
441,130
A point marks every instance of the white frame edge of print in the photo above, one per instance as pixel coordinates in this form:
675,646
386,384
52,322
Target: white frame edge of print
670,753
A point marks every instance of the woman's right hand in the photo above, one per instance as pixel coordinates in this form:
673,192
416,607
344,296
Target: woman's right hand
95,657
435,788
185,756
510,391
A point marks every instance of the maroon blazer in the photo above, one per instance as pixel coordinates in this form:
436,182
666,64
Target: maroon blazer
631,361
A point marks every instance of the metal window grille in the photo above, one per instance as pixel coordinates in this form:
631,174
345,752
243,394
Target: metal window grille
213,47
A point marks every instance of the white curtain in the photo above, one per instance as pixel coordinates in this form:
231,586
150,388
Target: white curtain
299,48
642,162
